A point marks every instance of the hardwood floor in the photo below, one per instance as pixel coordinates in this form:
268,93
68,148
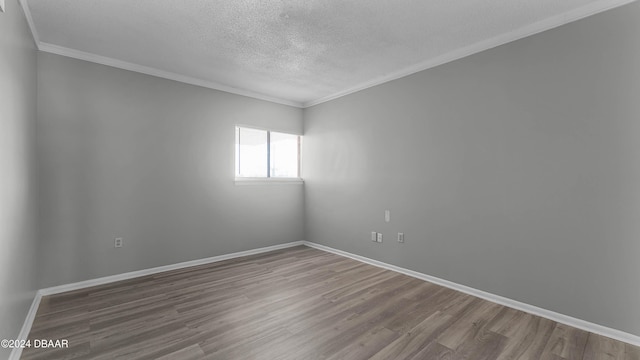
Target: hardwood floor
299,303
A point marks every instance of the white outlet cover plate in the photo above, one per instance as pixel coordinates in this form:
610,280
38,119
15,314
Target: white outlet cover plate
2,5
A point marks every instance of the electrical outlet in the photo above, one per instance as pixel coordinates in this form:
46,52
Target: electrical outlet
374,236
379,237
387,215
118,242
400,237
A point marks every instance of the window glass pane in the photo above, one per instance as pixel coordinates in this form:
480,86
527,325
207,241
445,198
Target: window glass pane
284,155
237,162
251,152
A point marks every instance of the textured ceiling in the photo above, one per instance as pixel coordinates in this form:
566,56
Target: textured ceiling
297,52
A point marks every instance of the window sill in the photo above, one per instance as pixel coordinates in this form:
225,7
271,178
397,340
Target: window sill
268,181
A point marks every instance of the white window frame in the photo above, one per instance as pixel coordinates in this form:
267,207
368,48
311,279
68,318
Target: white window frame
242,180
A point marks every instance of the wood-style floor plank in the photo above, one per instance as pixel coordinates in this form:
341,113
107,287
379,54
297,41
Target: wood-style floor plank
602,348
299,303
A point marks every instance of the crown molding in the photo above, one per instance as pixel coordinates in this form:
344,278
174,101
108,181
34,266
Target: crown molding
103,60
32,26
525,31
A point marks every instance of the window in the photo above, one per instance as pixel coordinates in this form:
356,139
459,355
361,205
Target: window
264,154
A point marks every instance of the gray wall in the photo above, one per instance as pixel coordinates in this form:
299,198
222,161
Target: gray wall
515,171
150,160
18,271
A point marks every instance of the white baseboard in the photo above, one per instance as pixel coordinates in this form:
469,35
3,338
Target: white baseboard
548,314
159,269
31,315
564,319
26,327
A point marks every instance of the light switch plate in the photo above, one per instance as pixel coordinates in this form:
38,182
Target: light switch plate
2,5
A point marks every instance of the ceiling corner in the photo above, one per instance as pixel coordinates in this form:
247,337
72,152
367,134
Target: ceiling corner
27,14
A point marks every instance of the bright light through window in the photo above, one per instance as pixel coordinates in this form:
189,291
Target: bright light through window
251,152
283,155
265,154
